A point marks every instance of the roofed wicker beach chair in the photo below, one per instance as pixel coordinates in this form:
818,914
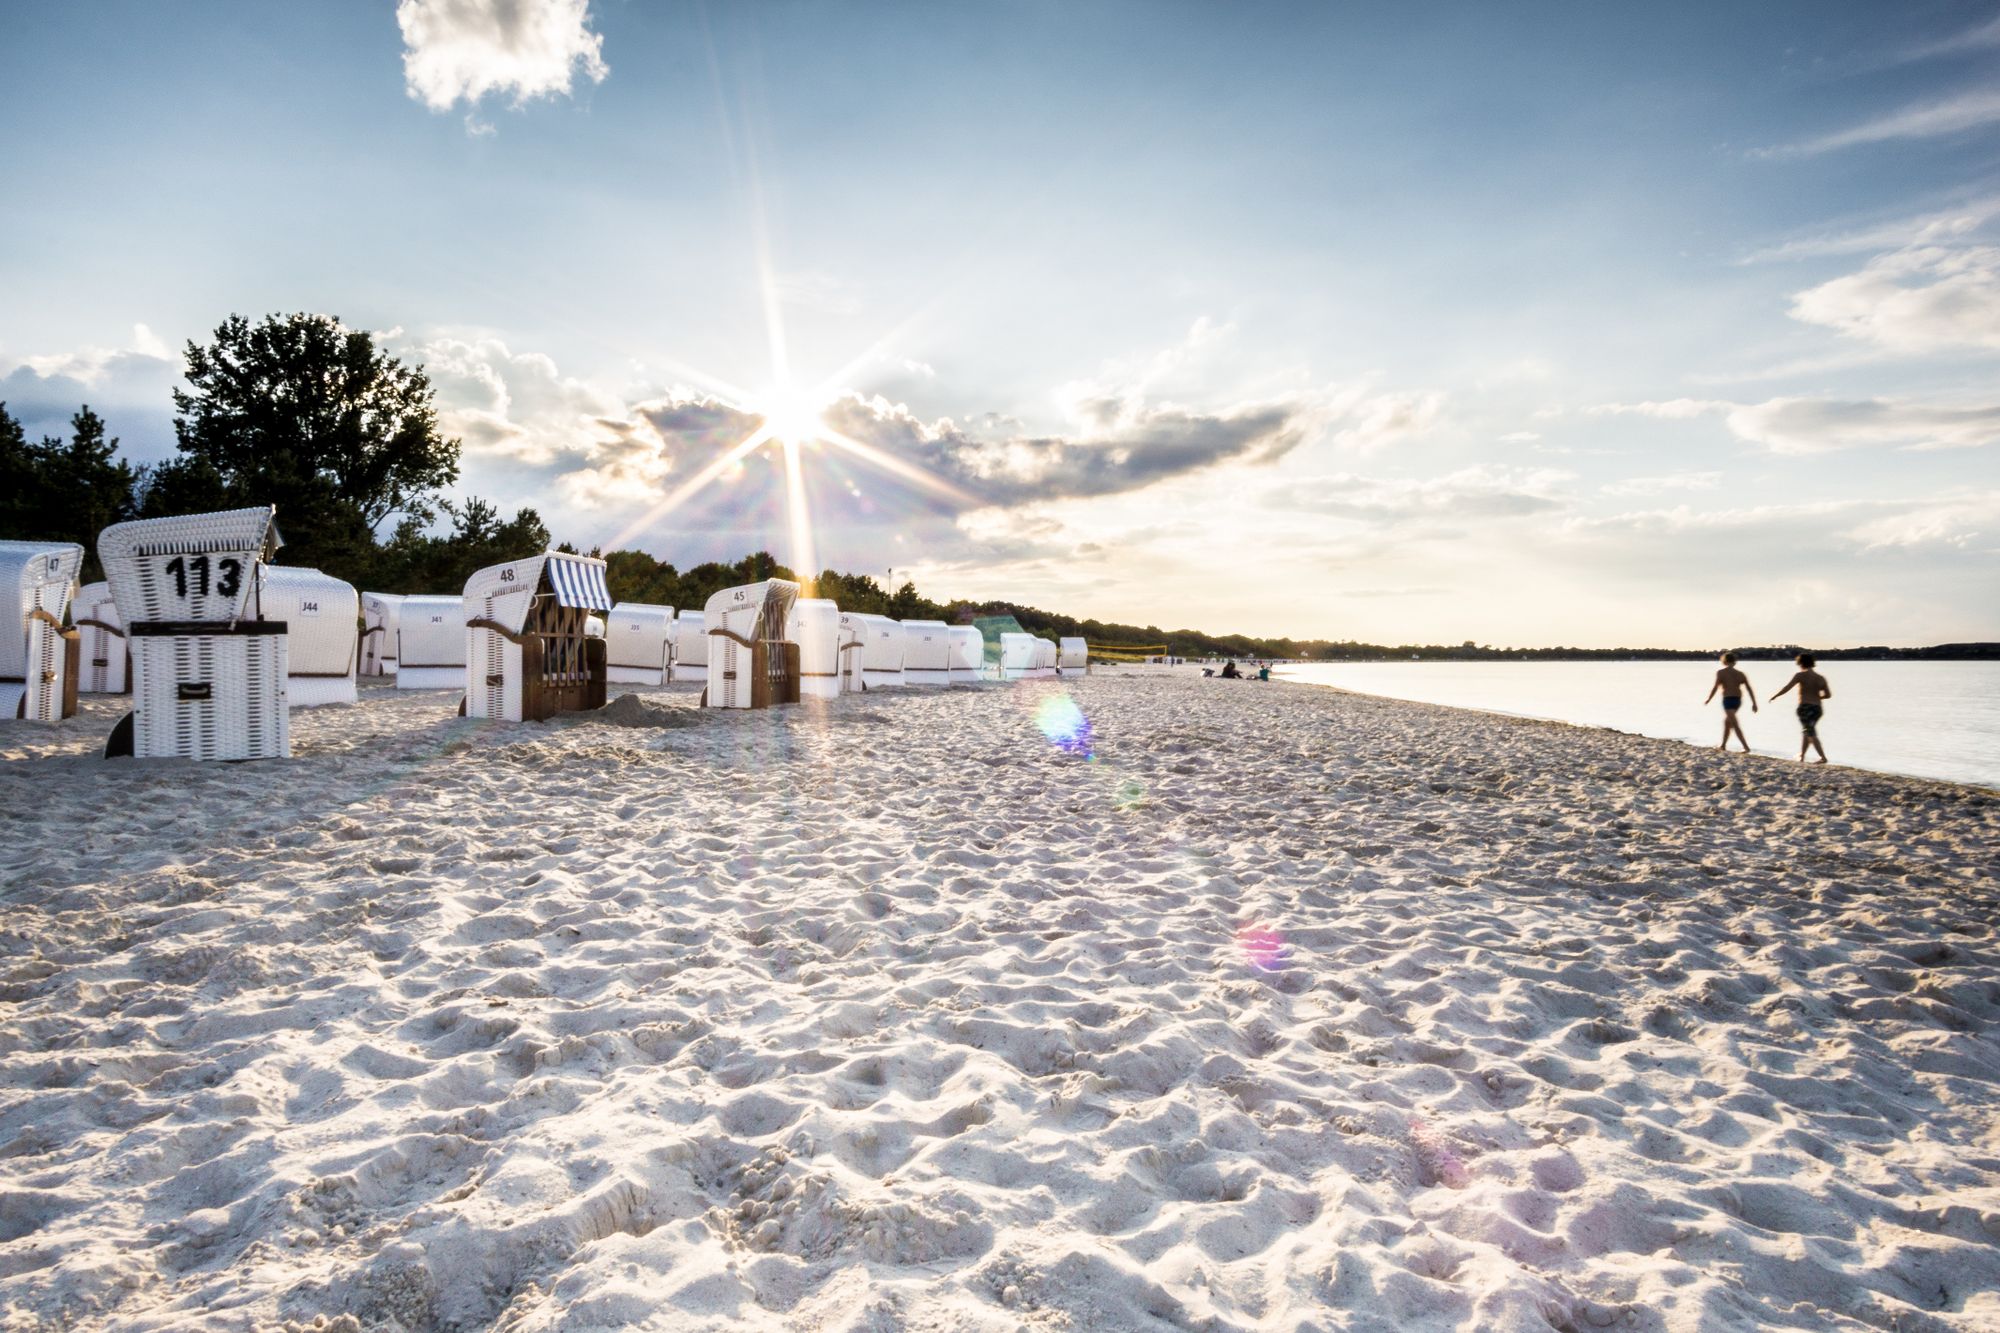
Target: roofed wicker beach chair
852,650
815,627
381,619
926,652
321,612
882,658
751,664
39,656
1073,655
530,650
430,643
208,671
1017,656
640,639
106,663
1045,657
690,647
968,653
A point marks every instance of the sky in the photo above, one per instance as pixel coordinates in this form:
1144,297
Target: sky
1530,324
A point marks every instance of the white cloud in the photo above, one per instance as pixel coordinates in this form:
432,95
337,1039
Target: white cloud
1963,523
1672,409
1937,226
1817,425
1985,36
1520,437
1469,493
1964,111
1922,299
1672,481
464,50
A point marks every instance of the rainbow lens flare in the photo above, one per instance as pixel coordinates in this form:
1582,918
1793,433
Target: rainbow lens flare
1263,947
1063,723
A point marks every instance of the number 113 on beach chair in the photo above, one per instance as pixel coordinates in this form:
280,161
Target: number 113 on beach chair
208,671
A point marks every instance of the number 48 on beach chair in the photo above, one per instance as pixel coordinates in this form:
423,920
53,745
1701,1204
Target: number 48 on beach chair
531,647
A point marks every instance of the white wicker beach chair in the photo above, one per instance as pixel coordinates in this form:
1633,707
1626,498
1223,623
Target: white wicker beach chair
926,652
39,656
320,612
690,647
104,658
641,639
1017,656
208,670
750,662
529,649
886,643
1045,657
430,643
381,620
815,627
1073,655
968,653
851,652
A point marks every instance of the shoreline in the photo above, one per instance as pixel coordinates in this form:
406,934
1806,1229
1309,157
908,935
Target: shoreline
1780,758
889,1012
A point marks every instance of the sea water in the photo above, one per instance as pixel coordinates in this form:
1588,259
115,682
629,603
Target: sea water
1926,719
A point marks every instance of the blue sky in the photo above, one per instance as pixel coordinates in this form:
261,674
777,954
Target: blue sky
1525,324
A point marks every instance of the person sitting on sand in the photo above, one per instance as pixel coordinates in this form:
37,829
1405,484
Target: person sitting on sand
1264,672
1732,683
1229,671
1813,692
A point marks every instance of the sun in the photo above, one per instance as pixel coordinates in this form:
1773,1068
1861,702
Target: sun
792,419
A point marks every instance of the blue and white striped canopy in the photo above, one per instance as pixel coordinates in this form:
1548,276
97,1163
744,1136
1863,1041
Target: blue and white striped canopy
579,583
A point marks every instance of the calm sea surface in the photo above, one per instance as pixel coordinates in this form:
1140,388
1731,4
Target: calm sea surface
1929,719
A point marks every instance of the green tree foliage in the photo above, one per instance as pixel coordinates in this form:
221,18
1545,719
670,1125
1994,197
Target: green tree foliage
56,491
415,560
304,413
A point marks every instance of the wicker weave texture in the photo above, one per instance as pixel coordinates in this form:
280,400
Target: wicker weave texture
210,696
757,612
39,577
194,567
103,650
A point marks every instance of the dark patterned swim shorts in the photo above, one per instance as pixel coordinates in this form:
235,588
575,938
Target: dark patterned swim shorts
1809,716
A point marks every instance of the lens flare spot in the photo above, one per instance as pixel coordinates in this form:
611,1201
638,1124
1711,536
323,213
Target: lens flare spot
1263,948
1063,723
1131,794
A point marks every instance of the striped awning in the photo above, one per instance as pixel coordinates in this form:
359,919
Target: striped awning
579,583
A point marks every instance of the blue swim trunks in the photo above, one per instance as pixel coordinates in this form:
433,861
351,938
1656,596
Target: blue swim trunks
1731,702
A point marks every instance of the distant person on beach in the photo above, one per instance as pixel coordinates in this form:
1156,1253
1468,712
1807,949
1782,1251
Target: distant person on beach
1813,692
1264,672
1229,671
1733,684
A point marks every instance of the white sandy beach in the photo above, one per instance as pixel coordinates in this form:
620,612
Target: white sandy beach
1290,1010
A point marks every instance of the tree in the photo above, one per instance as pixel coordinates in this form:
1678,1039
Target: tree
304,413
415,559
23,498
64,492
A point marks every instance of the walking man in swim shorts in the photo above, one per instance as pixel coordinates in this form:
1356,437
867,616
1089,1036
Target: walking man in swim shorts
1813,692
1732,683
